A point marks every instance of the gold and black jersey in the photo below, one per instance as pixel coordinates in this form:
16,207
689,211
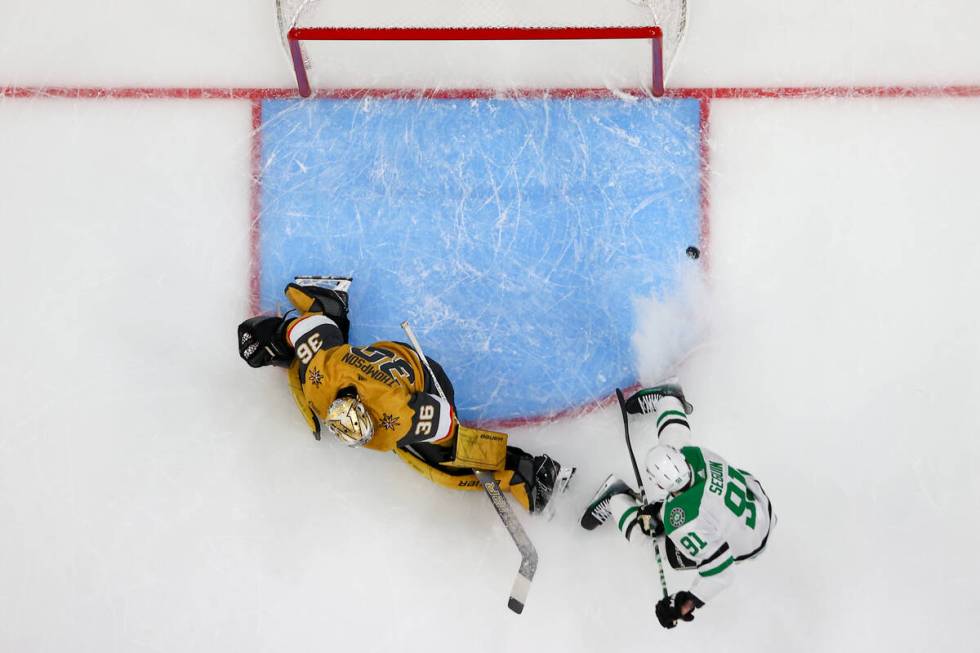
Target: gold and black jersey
388,378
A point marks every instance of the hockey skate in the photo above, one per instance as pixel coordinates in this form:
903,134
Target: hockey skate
598,511
645,400
550,482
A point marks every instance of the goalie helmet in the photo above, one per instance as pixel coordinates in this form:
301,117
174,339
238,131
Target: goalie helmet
667,468
349,420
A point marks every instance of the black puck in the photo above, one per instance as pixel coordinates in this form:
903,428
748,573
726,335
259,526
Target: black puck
694,252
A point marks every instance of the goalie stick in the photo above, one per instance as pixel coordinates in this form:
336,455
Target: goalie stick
638,407
529,555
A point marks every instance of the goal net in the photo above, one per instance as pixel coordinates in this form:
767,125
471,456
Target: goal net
481,43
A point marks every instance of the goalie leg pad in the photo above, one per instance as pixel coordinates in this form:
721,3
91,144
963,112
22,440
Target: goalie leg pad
479,449
458,479
327,295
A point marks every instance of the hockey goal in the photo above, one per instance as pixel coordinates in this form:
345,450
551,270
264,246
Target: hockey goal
305,25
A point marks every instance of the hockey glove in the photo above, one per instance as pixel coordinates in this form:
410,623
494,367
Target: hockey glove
669,608
262,341
649,517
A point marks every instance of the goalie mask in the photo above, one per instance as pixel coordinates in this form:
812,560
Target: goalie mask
348,419
668,469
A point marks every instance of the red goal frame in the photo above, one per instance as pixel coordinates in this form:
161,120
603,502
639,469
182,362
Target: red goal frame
298,34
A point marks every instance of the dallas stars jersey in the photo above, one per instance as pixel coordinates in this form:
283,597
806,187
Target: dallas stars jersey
723,518
388,378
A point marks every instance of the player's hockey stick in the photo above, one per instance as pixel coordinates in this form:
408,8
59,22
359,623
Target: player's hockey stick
529,555
624,407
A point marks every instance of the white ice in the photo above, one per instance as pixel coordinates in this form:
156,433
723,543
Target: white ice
157,495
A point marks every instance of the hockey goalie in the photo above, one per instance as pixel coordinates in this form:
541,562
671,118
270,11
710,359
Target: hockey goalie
382,397
712,515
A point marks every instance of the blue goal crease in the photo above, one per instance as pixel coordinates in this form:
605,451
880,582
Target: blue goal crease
513,234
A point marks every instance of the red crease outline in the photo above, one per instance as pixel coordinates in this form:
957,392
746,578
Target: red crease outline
706,95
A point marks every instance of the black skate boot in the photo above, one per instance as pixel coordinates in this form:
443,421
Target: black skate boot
645,400
598,511
550,481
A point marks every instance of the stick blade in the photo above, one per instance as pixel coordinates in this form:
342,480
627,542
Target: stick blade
529,555
518,593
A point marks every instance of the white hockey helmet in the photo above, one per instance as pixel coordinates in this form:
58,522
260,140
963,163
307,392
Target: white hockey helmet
349,420
667,468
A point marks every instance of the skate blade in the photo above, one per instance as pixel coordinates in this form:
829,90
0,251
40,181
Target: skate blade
340,284
561,484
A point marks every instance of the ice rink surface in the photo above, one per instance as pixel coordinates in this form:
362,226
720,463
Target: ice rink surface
487,223
157,495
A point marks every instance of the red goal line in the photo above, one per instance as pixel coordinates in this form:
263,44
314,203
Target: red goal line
705,93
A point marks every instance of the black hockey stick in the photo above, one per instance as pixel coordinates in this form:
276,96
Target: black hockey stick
624,408
529,555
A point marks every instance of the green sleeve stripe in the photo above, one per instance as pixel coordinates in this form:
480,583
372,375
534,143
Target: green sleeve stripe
720,568
630,511
666,413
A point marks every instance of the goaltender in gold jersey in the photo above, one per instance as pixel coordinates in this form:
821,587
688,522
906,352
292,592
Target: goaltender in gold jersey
382,397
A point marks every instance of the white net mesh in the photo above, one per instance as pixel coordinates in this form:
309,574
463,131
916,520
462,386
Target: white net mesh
669,15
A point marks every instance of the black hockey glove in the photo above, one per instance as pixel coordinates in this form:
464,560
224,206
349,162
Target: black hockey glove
649,517
669,608
262,341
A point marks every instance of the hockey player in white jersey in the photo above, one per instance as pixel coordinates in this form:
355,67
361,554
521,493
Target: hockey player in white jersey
711,514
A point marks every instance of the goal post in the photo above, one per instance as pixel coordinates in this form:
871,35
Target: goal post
297,35
661,22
